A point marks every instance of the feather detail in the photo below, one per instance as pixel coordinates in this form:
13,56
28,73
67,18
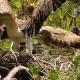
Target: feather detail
40,14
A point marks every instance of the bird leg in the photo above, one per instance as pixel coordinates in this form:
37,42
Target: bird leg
29,46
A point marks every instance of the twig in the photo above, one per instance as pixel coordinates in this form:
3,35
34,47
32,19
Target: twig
4,68
45,62
13,55
4,54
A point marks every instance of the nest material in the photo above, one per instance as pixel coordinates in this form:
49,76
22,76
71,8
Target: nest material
9,69
60,37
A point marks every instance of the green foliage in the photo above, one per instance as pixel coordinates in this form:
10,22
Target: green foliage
61,17
15,4
73,73
53,74
5,45
34,69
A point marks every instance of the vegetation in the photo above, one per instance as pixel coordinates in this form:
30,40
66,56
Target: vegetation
66,61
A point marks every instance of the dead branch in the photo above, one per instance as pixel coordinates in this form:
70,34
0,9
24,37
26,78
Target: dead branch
4,68
14,71
56,36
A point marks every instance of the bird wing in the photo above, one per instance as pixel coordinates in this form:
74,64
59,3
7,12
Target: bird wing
40,14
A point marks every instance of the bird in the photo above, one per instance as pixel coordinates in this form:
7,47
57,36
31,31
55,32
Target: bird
58,37
33,23
27,8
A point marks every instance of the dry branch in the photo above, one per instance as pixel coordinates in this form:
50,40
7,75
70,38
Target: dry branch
14,71
56,36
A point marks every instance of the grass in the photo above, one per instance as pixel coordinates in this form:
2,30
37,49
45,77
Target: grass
71,72
66,67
